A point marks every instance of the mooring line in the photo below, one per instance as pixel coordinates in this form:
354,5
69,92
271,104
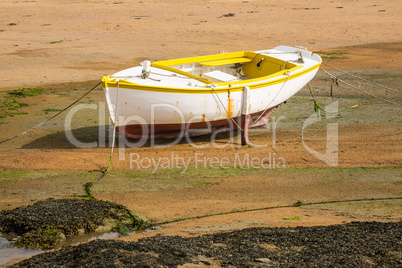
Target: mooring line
88,185
317,107
38,125
365,80
297,204
268,106
226,109
358,89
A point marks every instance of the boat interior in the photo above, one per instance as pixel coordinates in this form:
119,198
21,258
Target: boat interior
230,67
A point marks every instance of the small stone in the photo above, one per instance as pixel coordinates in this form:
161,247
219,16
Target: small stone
265,260
4,243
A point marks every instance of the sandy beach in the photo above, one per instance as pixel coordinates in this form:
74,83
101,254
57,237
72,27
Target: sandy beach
46,42
65,47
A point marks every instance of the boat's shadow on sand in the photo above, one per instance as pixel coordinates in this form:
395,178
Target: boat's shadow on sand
101,137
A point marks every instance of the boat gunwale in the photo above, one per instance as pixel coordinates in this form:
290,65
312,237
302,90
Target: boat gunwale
281,77
253,83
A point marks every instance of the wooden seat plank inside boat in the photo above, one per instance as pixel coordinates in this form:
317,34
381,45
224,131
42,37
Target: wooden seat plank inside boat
225,62
218,76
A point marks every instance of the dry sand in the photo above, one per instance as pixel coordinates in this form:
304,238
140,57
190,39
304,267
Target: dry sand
46,42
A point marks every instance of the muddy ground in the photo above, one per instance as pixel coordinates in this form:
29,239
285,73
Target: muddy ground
207,178
45,164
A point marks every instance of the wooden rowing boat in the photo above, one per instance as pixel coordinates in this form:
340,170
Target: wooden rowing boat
200,95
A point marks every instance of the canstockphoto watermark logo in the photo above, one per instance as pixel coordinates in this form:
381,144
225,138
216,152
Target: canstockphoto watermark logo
331,154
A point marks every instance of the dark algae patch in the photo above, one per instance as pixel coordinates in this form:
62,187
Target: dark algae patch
9,106
357,244
46,223
26,92
334,55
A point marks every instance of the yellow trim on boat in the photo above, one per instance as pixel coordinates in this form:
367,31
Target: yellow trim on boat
220,87
214,63
174,70
245,82
222,56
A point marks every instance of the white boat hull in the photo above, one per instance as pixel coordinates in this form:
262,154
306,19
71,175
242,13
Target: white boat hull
151,112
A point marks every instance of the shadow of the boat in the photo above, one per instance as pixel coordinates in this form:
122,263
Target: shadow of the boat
102,137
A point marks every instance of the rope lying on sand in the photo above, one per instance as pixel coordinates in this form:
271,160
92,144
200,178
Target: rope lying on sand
358,89
365,80
88,185
297,204
47,120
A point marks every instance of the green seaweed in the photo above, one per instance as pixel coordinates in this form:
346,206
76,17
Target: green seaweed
334,55
25,92
9,102
291,219
46,223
